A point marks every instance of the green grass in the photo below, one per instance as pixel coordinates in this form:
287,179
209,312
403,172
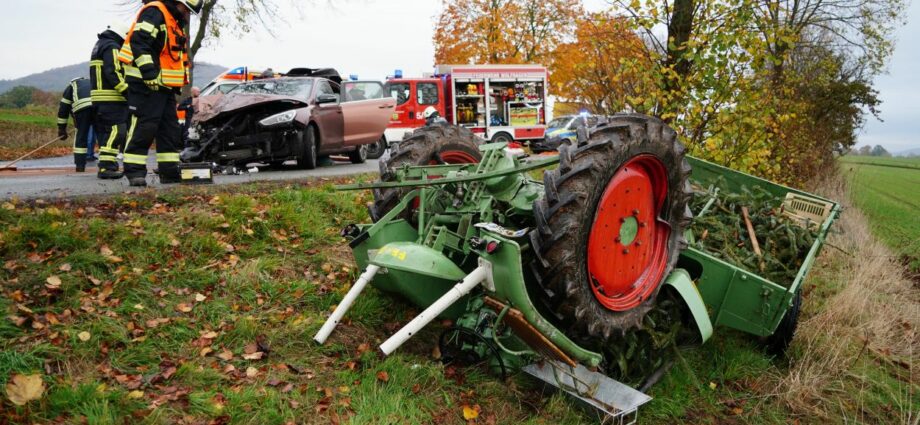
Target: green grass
265,262
42,117
887,190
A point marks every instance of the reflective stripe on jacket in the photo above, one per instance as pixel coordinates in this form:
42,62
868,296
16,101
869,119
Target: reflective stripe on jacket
172,58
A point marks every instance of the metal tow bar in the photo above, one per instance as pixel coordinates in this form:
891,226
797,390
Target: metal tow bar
346,303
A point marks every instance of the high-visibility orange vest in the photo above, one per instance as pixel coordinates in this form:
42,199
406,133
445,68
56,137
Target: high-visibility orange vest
174,66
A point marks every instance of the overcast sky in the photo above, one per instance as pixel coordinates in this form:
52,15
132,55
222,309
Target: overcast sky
364,37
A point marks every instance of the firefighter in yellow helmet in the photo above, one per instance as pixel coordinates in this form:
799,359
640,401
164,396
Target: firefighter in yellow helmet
155,57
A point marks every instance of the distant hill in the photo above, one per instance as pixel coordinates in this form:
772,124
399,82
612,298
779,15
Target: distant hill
55,79
909,152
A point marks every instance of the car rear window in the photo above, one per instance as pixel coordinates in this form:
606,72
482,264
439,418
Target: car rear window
360,90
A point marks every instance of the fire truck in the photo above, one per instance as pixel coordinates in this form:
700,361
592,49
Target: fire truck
500,103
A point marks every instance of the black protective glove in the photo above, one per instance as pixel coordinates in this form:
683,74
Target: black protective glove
153,84
62,132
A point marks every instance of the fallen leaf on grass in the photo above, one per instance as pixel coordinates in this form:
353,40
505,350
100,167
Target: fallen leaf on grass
22,389
252,372
53,281
383,376
106,251
205,351
84,336
184,308
225,355
136,394
209,335
200,297
470,413
66,267
254,356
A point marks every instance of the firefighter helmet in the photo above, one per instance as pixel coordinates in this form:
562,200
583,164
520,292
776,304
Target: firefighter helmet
119,27
193,5
429,111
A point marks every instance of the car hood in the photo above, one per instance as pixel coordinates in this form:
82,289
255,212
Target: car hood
210,107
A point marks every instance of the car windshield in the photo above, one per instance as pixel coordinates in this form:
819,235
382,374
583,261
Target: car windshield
559,122
294,87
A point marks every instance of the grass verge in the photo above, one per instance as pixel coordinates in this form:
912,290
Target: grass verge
198,305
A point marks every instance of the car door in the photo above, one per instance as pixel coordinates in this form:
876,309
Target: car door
367,111
329,117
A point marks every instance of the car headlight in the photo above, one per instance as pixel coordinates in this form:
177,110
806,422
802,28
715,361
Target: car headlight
282,118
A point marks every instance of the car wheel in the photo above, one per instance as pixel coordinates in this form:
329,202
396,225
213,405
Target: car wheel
308,148
359,155
502,138
375,150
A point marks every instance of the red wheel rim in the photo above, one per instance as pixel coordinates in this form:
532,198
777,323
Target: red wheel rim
628,244
449,157
456,157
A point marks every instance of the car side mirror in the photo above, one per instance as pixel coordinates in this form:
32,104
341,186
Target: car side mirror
326,98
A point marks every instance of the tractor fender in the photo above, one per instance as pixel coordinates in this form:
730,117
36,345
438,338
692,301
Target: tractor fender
680,280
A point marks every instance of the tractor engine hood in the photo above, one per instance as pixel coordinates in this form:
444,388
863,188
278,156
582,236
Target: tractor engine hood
235,103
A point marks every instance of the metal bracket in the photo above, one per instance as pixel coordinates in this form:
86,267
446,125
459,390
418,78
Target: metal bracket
488,283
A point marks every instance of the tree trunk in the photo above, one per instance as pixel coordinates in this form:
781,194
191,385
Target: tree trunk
204,19
680,29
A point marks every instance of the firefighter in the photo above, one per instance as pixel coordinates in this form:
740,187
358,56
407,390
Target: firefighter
76,102
433,117
109,89
155,57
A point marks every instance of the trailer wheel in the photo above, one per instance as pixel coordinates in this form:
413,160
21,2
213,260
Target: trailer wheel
611,226
375,150
779,341
425,146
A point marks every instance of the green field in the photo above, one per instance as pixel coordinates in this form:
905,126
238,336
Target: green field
887,190
22,130
42,117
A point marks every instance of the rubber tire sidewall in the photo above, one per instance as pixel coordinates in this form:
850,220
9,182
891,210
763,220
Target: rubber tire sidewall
381,148
419,148
308,147
359,155
566,214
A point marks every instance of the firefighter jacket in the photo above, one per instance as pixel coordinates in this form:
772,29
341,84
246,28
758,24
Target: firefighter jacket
105,70
75,99
156,48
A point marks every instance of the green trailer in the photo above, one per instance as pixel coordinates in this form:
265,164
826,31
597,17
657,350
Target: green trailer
584,279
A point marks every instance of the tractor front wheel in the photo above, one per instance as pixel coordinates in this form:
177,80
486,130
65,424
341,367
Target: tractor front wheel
611,226
425,146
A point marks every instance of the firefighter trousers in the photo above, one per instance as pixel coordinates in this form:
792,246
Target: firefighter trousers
111,131
153,116
82,120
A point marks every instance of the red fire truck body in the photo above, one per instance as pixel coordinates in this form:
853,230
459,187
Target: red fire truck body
500,103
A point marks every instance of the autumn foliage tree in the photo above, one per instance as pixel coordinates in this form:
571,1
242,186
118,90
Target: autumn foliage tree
502,31
605,69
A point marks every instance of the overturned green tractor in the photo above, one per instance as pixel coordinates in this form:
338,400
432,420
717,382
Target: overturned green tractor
587,279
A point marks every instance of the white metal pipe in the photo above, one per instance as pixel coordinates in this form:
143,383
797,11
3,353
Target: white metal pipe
346,303
458,291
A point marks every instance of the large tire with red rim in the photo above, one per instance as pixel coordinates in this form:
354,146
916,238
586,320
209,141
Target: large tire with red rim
431,145
611,226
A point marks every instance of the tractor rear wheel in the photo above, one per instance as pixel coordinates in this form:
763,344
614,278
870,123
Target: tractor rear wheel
430,145
610,227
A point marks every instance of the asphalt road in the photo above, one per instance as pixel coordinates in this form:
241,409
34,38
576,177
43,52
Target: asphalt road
65,184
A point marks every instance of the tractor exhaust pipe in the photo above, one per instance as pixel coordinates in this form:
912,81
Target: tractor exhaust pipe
472,280
346,303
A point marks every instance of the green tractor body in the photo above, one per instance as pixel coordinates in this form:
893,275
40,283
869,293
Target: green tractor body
477,241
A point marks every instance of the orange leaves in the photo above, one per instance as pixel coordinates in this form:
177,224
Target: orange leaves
602,68
502,31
